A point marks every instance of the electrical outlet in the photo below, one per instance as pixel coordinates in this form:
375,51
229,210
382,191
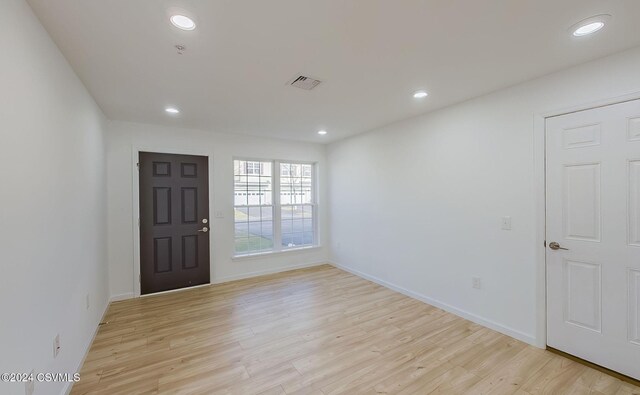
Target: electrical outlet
29,386
476,282
88,301
506,223
56,346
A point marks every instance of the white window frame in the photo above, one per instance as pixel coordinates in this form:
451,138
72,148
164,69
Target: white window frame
277,208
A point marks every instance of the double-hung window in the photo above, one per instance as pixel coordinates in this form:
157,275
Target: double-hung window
275,206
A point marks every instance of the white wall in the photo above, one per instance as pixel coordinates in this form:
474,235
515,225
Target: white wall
52,210
124,137
418,203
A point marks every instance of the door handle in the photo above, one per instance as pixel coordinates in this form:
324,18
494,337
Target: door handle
203,230
555,246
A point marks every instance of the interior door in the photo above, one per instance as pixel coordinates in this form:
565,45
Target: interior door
593,235
174,221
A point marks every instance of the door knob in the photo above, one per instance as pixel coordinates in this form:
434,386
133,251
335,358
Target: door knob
555,246
203,230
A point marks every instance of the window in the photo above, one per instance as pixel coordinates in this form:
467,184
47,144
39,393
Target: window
297,205
261,225
253,204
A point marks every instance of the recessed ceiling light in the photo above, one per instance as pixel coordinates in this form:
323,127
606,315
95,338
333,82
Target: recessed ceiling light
322,132
183,22
588,29
590,25
420,94
172,110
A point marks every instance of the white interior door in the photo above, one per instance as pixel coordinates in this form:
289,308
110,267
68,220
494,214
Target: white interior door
593,210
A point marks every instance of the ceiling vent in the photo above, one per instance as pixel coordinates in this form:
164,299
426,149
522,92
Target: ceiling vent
306,83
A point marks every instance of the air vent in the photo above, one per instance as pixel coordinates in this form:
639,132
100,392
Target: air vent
306,83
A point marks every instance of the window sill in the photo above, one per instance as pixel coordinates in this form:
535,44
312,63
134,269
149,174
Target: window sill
274,253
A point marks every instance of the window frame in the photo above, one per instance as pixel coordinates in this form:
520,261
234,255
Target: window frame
278,248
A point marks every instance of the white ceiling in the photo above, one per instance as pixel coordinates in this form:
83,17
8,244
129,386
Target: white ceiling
371,55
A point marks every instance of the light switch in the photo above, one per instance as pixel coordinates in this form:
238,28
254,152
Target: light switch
219,214
506,223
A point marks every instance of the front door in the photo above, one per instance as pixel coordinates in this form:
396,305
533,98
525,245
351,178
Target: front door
174,221
593,235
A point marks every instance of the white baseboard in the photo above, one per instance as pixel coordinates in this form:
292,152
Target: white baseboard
67,388
527,338
243,276
124,296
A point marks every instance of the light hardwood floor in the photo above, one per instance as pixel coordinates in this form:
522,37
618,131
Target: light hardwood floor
316,331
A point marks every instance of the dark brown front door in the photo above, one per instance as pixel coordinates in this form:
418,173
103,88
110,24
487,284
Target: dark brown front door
174,221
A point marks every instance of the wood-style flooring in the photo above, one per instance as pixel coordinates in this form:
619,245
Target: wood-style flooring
316,331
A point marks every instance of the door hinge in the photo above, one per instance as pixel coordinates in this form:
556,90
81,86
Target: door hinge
138,165
545,244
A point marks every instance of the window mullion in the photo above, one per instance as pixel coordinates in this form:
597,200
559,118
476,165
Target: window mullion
277,211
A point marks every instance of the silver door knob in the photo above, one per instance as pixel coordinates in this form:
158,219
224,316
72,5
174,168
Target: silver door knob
555,246
203,230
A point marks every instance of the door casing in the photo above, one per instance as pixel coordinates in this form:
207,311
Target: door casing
135,187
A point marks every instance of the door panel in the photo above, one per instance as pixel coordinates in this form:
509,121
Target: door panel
582,202
593,213
174,211
583,294
189,205
634,203
634,129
